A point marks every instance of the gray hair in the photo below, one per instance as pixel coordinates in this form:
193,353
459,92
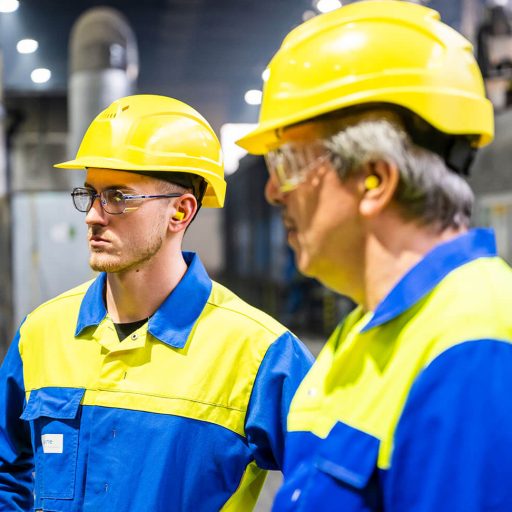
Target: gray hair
428,191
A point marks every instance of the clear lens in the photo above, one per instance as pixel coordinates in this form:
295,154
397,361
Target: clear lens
113,201
290,164
82,199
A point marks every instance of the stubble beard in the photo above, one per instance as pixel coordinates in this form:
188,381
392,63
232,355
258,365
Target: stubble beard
132,256
104,262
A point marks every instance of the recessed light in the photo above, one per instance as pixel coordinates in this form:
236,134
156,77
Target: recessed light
27,46
7,6
327,5
40,75
253,97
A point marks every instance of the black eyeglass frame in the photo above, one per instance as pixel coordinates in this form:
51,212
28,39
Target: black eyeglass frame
93,195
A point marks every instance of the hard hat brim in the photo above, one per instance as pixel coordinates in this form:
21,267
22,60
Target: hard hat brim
429,106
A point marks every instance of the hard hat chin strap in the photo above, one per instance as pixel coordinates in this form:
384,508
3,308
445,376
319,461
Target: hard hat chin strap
460,156
199,194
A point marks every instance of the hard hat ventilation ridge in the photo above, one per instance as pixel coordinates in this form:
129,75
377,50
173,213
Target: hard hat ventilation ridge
109,114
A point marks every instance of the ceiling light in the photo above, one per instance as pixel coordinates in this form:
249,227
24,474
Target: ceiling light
253,97
27,46
40,75
327,5
265,74
229,133
9,5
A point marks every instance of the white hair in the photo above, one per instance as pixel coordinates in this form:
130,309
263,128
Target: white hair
428,191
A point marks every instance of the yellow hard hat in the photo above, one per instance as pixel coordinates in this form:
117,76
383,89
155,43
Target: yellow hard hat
375,51
154,134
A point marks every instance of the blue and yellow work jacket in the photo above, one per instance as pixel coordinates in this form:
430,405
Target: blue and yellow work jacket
186,414
409,408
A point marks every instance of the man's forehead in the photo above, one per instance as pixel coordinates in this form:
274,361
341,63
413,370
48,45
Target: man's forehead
114,177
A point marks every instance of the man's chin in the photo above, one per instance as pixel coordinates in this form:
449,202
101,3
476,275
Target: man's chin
302,263
104,265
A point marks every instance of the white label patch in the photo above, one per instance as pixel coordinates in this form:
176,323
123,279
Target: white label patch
53,443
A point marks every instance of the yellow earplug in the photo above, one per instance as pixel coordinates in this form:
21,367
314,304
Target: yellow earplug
178,216
371,182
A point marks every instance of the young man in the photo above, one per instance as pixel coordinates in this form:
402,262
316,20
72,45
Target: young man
369,120
152,387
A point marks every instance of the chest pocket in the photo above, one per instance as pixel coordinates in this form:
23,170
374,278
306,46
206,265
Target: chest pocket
54,415
341,475
346,467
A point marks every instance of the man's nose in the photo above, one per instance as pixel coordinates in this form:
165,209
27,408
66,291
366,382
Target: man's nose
273,194
96,215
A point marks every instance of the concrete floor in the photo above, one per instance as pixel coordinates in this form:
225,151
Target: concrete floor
272,484
274,478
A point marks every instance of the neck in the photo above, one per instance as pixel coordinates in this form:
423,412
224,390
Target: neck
391,255
137,293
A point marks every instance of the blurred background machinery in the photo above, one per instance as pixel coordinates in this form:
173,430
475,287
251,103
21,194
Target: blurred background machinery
5,233
491,174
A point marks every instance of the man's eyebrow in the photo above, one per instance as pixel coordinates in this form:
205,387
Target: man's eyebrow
112,187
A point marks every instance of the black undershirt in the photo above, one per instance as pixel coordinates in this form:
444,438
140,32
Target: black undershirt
124,330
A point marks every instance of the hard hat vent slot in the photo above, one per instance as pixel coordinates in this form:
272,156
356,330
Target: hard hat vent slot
109,115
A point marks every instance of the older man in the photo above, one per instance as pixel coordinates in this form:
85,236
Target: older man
370,118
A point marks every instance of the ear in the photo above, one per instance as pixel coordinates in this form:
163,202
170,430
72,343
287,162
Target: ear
182,212
378,183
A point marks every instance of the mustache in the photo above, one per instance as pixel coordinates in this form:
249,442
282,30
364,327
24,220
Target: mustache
288,224
96,231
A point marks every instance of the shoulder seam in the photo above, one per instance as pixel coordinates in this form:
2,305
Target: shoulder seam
463,342
60,297
254,320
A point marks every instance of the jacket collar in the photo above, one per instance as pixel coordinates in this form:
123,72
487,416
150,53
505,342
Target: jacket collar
431,270
173,321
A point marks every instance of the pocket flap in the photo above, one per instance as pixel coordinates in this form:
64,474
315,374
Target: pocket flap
58,403
348,455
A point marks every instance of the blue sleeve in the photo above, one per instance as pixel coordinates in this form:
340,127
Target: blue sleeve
284,366
453,442
16,457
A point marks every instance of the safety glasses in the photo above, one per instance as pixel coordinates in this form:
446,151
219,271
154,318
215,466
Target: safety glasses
112,201
290,164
